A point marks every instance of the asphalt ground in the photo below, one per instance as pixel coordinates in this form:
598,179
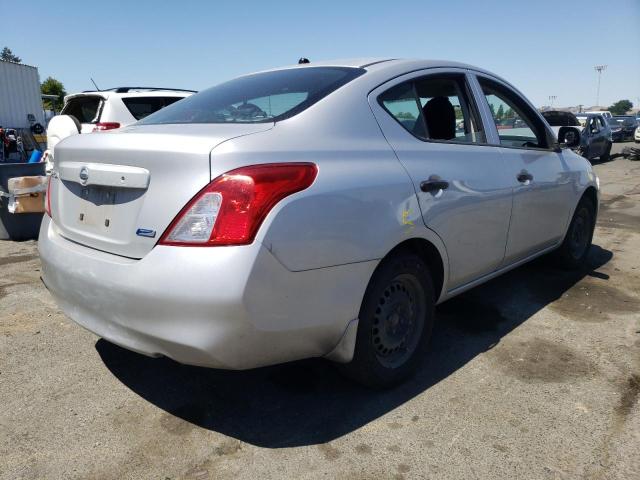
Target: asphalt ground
533,375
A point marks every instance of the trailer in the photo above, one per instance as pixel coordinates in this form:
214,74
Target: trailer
20,96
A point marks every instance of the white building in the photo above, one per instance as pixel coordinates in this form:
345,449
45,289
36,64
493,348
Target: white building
20,100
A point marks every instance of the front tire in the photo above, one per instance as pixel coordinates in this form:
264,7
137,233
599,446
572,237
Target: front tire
574,250
395,322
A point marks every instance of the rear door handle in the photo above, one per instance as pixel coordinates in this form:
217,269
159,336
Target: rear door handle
434,185
524,177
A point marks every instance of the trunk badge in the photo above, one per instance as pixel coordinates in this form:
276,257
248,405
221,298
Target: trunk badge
145,232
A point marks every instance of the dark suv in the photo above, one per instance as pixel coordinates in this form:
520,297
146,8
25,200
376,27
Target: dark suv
594,131
627,125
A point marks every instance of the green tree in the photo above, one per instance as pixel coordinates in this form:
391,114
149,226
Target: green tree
8,55
500,113
509,113
621,107
493,110
51,86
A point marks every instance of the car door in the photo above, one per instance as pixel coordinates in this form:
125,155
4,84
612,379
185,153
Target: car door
596,137
431,120
537,171
605,134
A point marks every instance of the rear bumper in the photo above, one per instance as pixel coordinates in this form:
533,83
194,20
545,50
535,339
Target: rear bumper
224,307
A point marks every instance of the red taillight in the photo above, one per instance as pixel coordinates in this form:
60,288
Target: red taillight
102,126
231,208
47,200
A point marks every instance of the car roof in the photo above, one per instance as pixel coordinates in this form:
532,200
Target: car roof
380,69
380,64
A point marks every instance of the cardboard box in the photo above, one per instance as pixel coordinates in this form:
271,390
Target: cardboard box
30,203
27,194
26,185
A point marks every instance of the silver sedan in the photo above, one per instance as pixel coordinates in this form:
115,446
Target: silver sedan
319,210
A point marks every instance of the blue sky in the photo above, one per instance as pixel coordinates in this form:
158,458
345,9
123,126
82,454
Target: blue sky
543,47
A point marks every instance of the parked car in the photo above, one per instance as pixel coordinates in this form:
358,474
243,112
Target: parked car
593,130
617,133
626,124
97,111
636,135
319,210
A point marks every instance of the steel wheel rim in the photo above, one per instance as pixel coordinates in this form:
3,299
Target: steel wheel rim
579,235
398,320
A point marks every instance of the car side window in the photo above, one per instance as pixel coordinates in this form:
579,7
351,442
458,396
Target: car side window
435,107
601,122
517,125
401,103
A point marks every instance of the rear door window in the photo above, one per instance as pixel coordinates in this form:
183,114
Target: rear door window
435,107
402,104
86,108
140,107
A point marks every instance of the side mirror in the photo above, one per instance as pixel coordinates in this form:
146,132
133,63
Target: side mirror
569,137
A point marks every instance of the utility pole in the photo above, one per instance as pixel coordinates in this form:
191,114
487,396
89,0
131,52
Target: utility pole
599,69
552,98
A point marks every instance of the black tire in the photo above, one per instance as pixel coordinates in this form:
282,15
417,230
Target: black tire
574,250
395,322
607,153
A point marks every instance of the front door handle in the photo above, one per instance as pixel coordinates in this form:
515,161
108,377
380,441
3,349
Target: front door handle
434,185
524,177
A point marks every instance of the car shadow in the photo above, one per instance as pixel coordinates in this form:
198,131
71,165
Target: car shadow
309,402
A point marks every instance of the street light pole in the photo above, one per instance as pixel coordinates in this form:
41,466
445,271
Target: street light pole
552,98
599,69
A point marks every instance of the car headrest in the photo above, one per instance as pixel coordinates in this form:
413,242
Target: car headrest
440,117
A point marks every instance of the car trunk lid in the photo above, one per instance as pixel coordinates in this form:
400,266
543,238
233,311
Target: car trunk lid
117,192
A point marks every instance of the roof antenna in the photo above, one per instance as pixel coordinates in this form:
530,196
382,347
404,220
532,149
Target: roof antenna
303,60
94,84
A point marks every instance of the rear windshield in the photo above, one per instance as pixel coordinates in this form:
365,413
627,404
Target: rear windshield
86,108
141,107
259,98
561,119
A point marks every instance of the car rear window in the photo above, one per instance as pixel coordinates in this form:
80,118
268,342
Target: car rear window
86,108
258,98
141,107
561,119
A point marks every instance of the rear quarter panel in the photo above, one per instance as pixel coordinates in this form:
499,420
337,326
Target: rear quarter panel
362,203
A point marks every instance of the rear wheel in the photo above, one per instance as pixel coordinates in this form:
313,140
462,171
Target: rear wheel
395,322
607,153
574,250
